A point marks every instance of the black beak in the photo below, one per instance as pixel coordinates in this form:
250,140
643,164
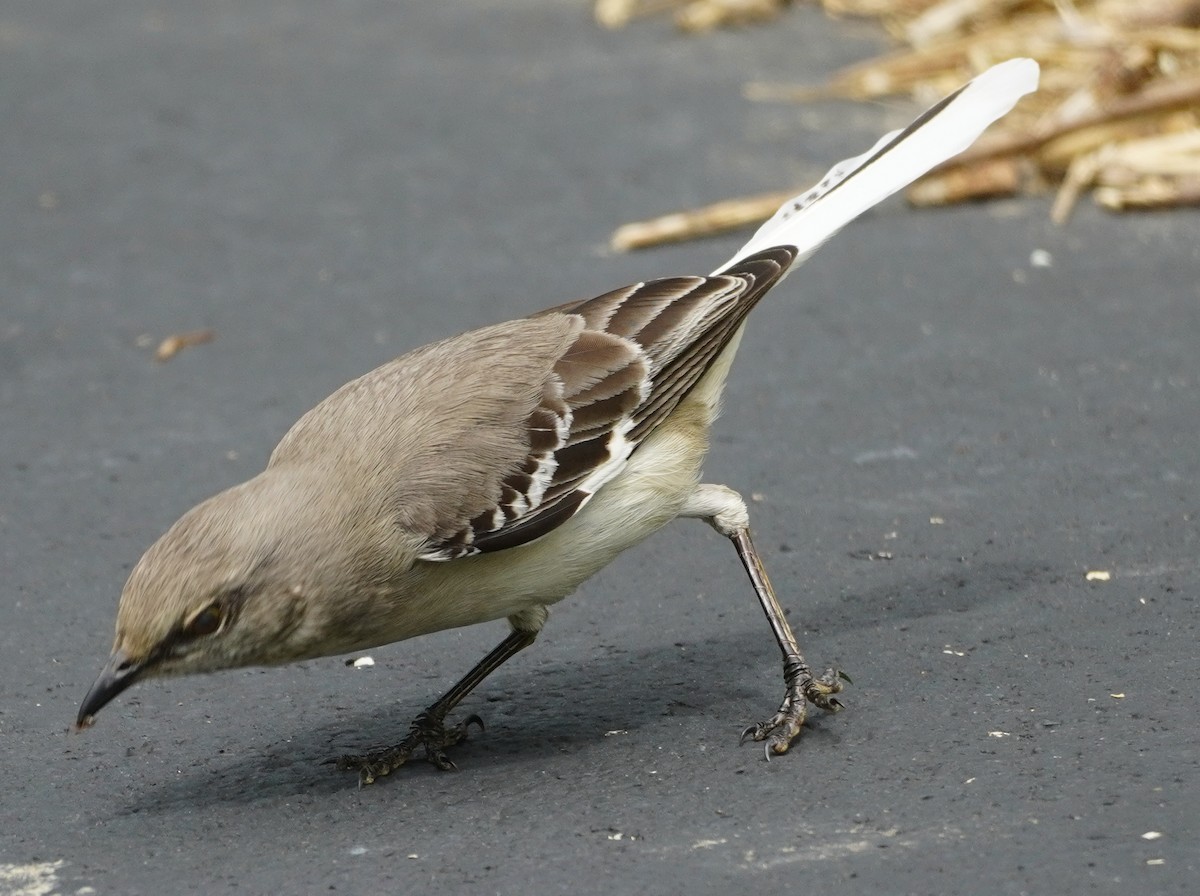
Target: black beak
118,674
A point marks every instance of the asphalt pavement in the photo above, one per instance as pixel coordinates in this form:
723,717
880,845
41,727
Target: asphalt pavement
969,438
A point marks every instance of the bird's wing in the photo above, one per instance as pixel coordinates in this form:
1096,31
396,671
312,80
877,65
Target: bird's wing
639,351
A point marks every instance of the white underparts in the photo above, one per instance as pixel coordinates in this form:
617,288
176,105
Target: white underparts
719,506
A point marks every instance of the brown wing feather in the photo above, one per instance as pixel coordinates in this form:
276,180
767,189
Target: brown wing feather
641,350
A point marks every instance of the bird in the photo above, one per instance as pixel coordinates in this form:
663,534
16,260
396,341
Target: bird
488,475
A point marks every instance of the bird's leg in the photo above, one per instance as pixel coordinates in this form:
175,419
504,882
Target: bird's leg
429,729
801,685
725,511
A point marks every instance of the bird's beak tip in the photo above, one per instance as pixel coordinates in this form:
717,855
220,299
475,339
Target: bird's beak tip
118,674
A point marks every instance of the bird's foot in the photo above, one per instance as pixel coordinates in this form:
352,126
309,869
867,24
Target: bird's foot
428,730
802,688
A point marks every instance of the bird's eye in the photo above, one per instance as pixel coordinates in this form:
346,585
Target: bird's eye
206,622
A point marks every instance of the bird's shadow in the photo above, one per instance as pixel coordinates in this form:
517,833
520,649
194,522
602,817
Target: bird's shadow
530,714
567,707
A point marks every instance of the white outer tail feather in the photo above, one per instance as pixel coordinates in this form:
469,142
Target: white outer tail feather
855,185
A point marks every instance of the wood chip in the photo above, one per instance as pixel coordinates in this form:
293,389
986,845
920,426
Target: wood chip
177,342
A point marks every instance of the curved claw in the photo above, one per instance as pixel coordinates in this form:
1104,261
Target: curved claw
802,688
472,719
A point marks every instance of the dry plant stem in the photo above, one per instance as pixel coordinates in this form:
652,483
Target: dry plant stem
1155,193
699,222
875,8
1080,176
1152,172
990,178
1175,154
951,15
945,65
1149,13
691,15
614,14
707,15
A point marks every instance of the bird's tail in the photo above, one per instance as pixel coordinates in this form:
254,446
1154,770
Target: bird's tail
853,186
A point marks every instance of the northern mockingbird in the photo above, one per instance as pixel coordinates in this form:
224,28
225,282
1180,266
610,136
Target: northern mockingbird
486,476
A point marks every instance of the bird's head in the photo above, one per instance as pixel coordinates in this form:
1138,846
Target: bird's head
231,584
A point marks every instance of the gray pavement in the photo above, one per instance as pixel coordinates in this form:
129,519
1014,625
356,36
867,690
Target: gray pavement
942,440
